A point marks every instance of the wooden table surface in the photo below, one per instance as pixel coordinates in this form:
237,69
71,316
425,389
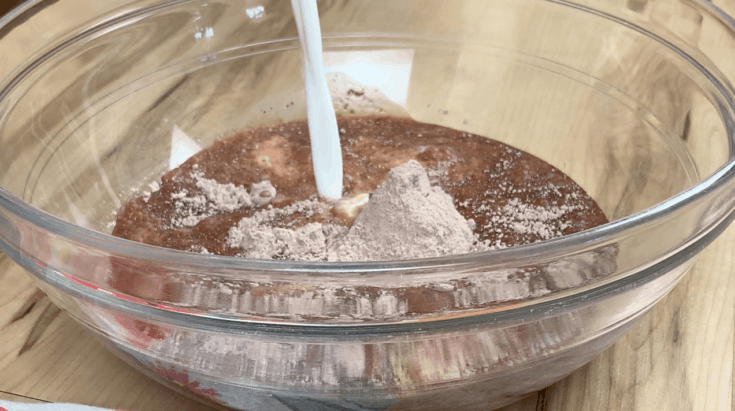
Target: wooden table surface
678,357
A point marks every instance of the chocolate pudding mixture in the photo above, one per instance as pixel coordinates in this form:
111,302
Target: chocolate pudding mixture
511,196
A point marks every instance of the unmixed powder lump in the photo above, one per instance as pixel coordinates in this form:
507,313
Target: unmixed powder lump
258,238
405,218
216,198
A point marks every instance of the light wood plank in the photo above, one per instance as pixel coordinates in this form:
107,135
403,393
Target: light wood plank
19,398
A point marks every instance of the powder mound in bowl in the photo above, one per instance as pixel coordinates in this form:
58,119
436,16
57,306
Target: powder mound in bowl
307,243
257,236
216,198
405,218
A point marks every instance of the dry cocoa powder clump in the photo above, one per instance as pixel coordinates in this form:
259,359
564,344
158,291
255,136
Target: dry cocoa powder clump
405,218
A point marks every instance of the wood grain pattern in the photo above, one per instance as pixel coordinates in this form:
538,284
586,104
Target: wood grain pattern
678,357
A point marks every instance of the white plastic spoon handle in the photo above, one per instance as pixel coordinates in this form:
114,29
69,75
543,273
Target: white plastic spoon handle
326,153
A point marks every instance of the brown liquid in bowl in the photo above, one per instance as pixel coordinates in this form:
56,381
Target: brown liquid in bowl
514,197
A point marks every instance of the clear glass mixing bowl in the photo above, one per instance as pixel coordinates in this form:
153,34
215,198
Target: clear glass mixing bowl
633,100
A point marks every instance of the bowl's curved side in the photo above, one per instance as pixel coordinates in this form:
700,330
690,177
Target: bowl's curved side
471,367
